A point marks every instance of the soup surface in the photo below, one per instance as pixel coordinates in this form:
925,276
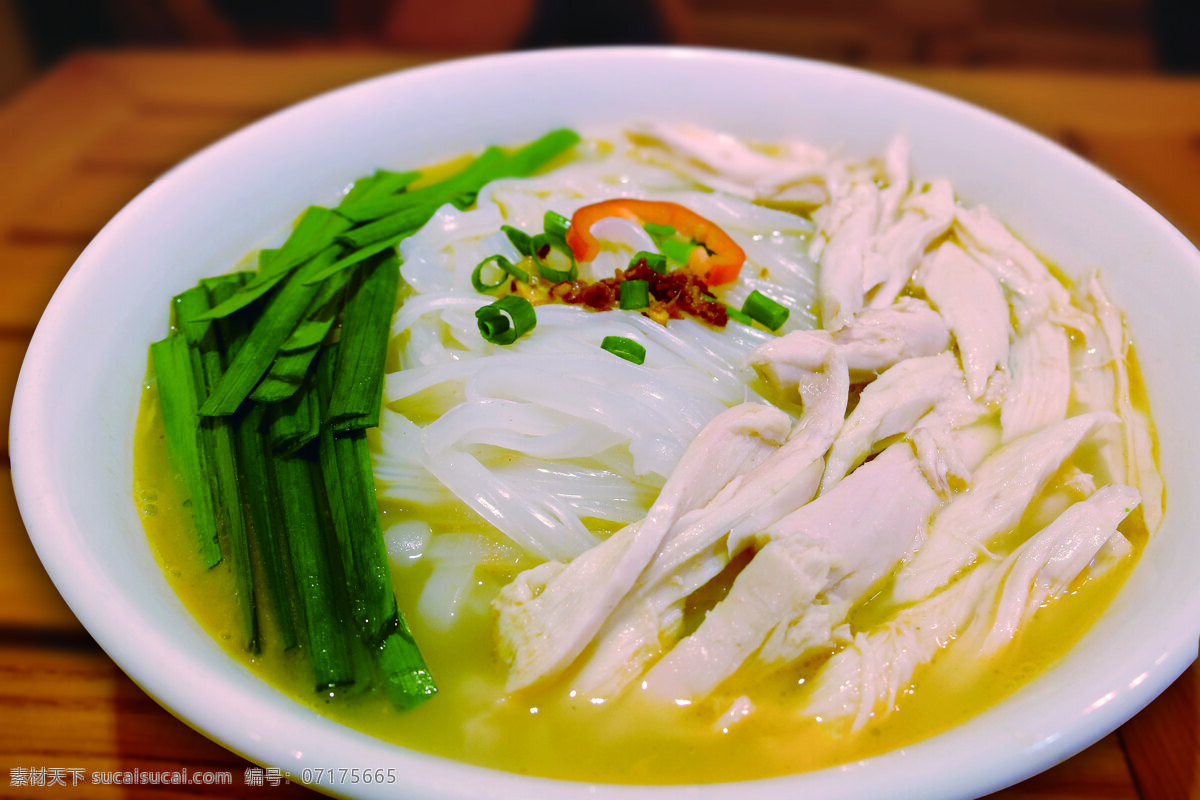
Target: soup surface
456,559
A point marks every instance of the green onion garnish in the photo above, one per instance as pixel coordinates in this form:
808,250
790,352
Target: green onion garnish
738,316
519,238
627,349
765,310
676,250
500,270
655,229
655,261
555,261
634,294
556,225
506,320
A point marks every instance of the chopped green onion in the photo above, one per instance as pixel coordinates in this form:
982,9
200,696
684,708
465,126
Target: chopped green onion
634,294
506,320
654,229
519,238
555,225
502,269
554,260
765,310
627,349
507,269
676,250
738,316
655,261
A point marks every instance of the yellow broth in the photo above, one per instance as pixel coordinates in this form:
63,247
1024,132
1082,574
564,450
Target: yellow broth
549,733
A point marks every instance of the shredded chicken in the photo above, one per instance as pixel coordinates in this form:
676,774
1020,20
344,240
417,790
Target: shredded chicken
817,564
973,305
893,404
983,610
1040,365
877,338
551,612
1003,487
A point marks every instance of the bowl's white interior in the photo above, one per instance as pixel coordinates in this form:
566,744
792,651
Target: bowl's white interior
74,412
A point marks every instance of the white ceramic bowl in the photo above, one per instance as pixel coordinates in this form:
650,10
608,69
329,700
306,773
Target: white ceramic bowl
73,416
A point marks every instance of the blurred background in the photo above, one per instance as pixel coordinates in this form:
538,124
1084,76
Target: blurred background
1099,35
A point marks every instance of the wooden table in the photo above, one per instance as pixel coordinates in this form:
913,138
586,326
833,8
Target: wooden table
98,128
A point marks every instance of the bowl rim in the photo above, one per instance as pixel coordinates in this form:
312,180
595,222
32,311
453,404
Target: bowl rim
51,525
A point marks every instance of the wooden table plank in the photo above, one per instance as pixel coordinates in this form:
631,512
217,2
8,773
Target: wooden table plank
105,124
76,710
250,81
1098,772
30,271
75,205
43,131
12,352
1164,739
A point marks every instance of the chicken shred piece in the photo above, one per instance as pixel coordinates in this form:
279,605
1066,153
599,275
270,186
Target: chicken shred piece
1004,485
892,404
980,611
874,340
973,305
704,541
549,614
1039,362
816,565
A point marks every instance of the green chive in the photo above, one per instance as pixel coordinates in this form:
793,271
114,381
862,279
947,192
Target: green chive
405,677
350,490
292,422
297,488
264,520
506,320
312,238
535,155
634,294
352,259
177,395
251,450
357,393
655,261
270,332
627,349
654,229
373,187
765,310
435,195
